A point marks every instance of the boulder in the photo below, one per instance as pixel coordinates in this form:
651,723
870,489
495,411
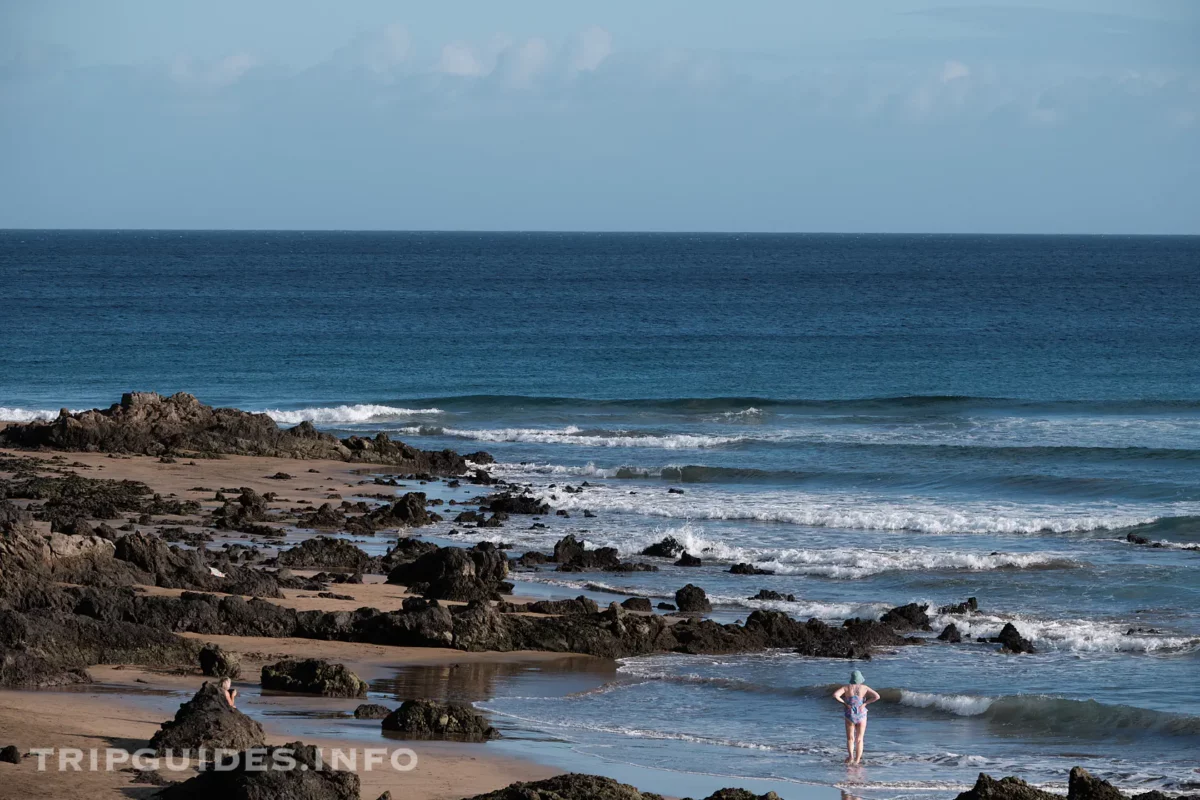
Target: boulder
517,504
323,552
425,719
749,569
692,599
452,573
670,547
950,634
768,594
1013,641
988,788
1082,786
637,604
968,606
907,618
10,754
207,721
324,517
576,786
313,676
217,663
409,511
688,560
308,779
371,711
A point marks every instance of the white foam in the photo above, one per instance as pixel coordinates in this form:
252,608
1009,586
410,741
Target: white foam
857,511
11,414
964,705
573,435
346,414
1072,635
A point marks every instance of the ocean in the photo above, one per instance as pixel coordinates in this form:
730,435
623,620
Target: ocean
878,419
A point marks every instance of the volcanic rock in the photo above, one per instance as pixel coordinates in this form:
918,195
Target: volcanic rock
217,663
692,599
452,573
323,552
1013,641
207,721
313,676
371,711
425,719
309,779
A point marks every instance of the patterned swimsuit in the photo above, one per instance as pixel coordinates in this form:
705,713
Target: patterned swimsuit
856,709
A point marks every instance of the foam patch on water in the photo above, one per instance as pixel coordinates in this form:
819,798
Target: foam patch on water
963,705
578,436
1074,635
12,414
853,511
331,415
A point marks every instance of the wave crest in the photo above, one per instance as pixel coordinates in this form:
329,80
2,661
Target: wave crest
331,415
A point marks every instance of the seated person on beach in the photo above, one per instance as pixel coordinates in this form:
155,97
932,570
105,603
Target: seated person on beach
229,694
855,696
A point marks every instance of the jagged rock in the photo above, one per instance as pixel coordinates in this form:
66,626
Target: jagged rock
749,569
425,719
669,547
68,500
144,422
667,607
950,634
907,617
405,551
576,786
637,604
1013,641
207,721
309,779
452,573
692,599
988,788
217,663
324,517
688,560
371,711
572,556
409,511
517,504
578,605
532,559
323,552
313,676
1082,786
969,606
768,594
10,754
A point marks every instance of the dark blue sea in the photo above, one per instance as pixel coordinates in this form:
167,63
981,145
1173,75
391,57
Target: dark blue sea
877,419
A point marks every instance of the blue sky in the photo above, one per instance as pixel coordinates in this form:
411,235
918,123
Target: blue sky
874,115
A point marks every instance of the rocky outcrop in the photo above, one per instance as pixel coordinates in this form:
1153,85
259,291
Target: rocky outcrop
950,634
313,676
425,719
1013,641
10,754
576,786
573,556
308,779
145,422
689,560
405,551
323,552
1081,785
911,617
692,600
579,605
748,569
371,711
452,573
637,604
509,503
408,511
968,606
218,663
207,721
988,788
670,547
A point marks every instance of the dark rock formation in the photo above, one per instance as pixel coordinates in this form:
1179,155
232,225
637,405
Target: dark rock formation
405,551
749,569
907,617
452,573
768,594
517,504
308,779
1082,786
692,599
688,560
207,721
637,604
144,422
10,754
313,676
324,517
950,634
322,552
576,786
409,511
1013,641
216,663
371,711
969,606
669,547
988,788
579,605
425,719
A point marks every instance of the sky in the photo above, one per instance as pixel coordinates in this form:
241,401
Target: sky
957,116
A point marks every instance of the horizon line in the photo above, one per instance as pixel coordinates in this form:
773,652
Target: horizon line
581,232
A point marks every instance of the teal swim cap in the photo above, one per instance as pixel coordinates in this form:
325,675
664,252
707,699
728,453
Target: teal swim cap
856,677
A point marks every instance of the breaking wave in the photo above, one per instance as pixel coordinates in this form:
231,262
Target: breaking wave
332,415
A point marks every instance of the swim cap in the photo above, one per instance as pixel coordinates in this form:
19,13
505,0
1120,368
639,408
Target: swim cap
856,677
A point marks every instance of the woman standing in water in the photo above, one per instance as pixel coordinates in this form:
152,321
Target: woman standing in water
855,696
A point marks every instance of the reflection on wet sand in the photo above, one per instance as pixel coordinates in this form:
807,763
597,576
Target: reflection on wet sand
481,681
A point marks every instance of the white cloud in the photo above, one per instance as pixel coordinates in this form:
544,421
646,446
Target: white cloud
953,70
378,52
592,46
458,58
526,61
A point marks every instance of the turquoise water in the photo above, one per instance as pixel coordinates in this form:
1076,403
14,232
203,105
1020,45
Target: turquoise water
878,419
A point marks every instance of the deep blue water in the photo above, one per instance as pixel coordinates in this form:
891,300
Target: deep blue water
878,419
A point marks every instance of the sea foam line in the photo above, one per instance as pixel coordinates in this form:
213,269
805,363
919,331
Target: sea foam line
327,415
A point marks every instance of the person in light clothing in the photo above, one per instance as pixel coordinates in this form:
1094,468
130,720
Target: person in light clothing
855,696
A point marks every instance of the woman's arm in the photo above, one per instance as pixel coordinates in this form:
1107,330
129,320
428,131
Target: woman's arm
871,697
838,695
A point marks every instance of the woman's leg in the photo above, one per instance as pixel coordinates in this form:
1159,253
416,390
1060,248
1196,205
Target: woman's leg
850,741
860,733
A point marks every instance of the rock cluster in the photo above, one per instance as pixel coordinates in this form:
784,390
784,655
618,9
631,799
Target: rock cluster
425,719
576,786
308,779
453,573
1081,785
207,721
313,676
